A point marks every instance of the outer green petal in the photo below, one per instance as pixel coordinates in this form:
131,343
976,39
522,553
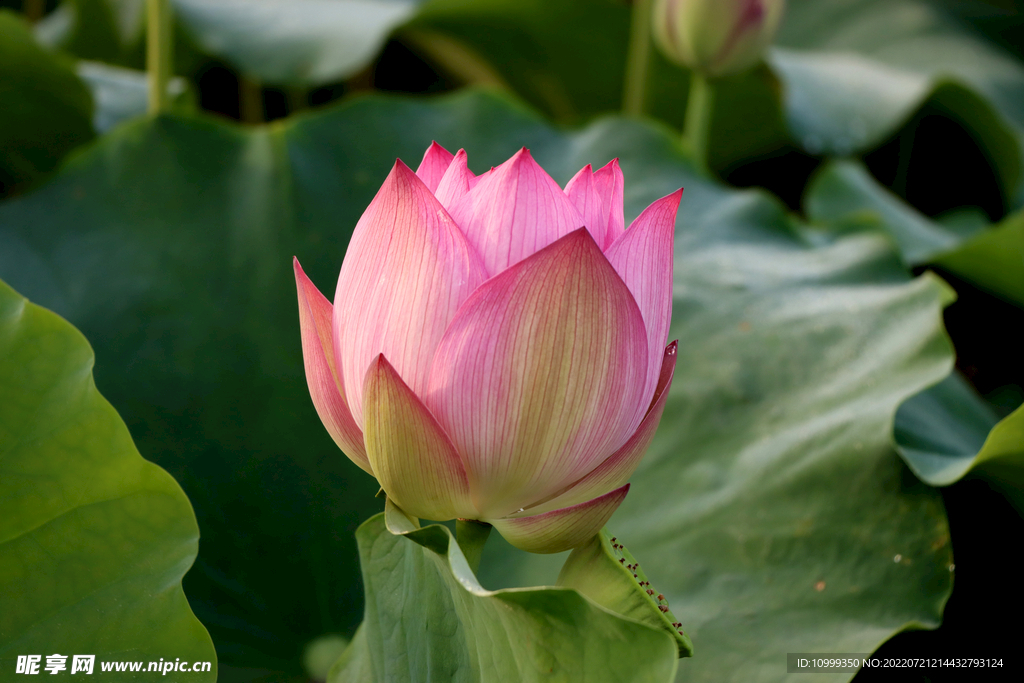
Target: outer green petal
413,459
553,532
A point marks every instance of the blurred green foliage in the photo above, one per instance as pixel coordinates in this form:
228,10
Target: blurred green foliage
45,110
891,131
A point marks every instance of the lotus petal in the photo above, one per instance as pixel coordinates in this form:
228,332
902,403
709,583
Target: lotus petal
610,185
435,162
618,468
407,270
325,385
643,257
413,459
583,193
538,377
458,180
514,211
563,529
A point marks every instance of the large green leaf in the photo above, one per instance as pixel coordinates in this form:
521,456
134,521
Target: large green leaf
1001,459
428,619
294,42
45,111
993,259
169,244
844,196
944,432
94,540
940,431
947,431
857,69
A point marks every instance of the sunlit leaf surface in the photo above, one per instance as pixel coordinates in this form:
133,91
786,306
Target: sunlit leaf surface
94,540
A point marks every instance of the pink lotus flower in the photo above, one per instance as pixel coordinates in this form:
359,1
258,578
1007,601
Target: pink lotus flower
496,348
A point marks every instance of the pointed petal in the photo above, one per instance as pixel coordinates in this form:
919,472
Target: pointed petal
538,377
412,457
619,467
582,192
407,271
458,180
514,211
610,185
643,257
325,387
553,532
435,162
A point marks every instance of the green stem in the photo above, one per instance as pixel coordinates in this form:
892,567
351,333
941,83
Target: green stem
638,60
158,53
472,535
699,106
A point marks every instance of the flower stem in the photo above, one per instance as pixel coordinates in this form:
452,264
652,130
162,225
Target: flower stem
638,59
699,106
159,53
472,535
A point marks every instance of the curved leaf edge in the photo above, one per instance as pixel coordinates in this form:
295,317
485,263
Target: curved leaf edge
989,457
438,539
926,241
996,456
952,96
605,569
154,479
355,662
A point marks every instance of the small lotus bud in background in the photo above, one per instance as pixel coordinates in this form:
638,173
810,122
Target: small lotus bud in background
716,37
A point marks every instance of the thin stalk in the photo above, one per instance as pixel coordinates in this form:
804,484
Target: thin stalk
159,53
699,106
472,535
638,59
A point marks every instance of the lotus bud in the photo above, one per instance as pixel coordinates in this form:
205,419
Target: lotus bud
496,346
716,37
